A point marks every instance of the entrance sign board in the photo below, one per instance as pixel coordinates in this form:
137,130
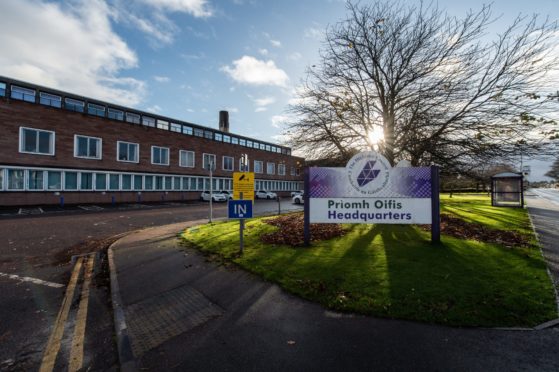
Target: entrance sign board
243,182
369,190
239,209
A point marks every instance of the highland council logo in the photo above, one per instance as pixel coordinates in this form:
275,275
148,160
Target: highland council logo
368,172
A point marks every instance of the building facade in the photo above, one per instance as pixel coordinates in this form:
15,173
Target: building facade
58,147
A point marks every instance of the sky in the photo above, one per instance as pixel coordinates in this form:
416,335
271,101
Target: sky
188,59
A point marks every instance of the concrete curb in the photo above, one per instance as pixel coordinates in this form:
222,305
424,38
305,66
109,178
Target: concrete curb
125,354
544,258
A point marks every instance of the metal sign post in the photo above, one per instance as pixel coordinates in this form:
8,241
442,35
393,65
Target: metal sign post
211,166
241,231
306,216
435,206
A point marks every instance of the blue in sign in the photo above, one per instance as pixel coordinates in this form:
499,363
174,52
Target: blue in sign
240,208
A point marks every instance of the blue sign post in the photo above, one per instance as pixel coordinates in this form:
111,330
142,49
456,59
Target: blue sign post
240,209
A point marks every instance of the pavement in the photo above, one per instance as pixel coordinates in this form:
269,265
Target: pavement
175,310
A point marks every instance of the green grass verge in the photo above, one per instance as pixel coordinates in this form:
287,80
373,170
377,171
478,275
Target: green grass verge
394,271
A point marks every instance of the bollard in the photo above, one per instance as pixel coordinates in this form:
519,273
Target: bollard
61,202
113,201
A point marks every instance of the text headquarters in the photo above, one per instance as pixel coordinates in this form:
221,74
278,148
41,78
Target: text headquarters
366,211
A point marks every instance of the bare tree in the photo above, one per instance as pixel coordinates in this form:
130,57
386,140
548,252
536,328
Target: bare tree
430,83
554,171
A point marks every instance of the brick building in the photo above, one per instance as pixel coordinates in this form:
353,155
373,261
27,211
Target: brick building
59,147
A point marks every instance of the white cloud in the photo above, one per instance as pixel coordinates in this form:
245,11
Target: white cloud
294,56
69,48
264,101
197,8
261,109
232,109
249,70
264,51
161,31
313,33
278,120
161,79
275,43
155,109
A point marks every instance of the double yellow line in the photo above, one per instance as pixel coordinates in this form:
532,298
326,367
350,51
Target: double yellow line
53,346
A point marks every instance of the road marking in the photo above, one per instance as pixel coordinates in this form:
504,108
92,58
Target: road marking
31,280
76,354
53,345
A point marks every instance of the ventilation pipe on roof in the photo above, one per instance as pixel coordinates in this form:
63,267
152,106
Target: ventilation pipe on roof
224,121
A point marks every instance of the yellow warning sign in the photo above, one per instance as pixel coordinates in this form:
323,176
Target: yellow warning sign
243,182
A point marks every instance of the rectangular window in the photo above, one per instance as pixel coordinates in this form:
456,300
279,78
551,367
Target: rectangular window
235,141
168,183
186,130
268,148
258,166
249,143
87,147
97,110
159,182
148,122
161,124
35,141
201,184
198,132
15,179
176,183
22,94
242,142
114,181
54,180
50,100
115,114
2,89
70,180
262,146
193,183
35,180
137,182
186,159
228,163
297,171
218,137
245,168
127,151
100,181
126,182
159,155
208,134
149,182
270,168
226,138
281,169
292,171
73,105
208,159
132,118
176,128
86,181
256,145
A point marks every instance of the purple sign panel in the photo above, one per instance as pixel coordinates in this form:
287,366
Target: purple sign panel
369,190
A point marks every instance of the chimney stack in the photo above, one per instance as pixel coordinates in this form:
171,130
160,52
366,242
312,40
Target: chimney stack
224,121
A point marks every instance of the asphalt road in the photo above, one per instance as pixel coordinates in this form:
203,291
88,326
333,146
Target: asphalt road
40,247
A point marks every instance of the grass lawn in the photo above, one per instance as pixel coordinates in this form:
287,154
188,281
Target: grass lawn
394,271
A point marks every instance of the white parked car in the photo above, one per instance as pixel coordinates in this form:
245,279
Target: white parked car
217,196
228,194
298,192
298,199
263,194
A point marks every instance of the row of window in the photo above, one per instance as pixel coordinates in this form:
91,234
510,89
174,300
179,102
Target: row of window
48,99
42,142
36,179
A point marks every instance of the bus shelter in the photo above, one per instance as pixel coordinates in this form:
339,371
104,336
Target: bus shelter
507,190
